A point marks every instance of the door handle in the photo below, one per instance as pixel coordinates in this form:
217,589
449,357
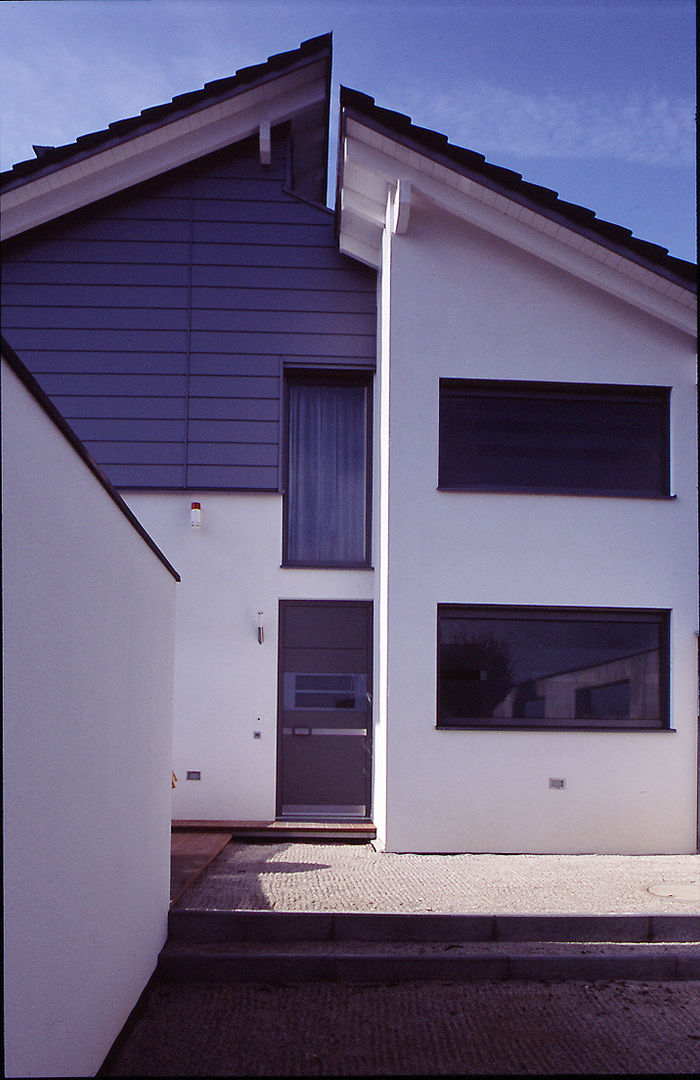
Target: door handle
369,699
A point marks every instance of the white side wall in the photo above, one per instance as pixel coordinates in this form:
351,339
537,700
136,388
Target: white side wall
470,306
225,682
88,617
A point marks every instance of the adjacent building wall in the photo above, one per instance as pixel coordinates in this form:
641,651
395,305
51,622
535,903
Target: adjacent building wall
88,617
466,305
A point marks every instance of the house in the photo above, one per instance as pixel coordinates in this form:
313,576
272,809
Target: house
427,465
88,605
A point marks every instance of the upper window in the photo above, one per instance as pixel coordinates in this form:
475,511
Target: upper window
326,508
552,667
564,438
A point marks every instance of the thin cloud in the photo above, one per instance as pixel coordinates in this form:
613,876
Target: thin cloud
644,130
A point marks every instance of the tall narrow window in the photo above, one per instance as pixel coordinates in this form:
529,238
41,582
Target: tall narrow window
327,496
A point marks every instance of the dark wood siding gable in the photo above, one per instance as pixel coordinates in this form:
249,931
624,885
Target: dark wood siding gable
159,321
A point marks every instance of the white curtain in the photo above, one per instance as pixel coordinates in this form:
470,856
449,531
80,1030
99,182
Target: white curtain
326,484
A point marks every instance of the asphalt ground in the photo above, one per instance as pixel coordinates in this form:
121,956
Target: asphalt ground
413,1029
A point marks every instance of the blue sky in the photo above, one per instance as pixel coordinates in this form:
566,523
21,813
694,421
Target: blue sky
593,98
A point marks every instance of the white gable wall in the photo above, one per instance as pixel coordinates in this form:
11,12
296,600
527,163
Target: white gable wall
88,616
467,305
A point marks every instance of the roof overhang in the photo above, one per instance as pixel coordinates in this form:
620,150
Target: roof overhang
184,135
382,175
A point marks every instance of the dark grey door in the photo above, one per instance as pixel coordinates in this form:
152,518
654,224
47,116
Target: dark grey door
324,760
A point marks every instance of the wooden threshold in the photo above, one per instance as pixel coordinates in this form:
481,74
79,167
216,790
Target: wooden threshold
277,831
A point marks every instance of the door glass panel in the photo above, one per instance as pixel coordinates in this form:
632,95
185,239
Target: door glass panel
322,690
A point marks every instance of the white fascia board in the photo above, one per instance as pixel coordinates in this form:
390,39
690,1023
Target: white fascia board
373,166
165,147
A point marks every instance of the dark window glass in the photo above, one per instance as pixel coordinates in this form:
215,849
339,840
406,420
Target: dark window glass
565,438
327,496
552,667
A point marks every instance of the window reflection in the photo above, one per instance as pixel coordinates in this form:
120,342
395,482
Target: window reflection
549,668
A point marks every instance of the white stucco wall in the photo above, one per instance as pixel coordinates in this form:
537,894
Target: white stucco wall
466,305
225,682
88,618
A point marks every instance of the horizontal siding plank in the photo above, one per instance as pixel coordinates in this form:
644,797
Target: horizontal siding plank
127,229
111,385
351,345
110,251
67,339
226,364
258,188
240,209
234,386
233,431
27,271
289,299
137,453
142,408
236,454
153,207
127,429
222,408
147,476
97,296
93,318
331,277
285,322
233,478
262,232
273,255
136,363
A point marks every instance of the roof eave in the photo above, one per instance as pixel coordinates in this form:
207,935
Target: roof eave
379,156
168,136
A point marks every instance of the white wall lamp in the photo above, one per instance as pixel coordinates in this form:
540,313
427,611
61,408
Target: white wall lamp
261,632
196,515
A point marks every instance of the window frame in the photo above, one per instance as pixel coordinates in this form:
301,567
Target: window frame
325,377
451,388
659,617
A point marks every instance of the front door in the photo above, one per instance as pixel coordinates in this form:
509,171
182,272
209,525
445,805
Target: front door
324,759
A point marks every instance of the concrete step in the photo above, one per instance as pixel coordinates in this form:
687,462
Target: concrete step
272,946
201,926
376,962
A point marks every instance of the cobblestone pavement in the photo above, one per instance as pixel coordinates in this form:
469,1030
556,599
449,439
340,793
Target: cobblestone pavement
355,877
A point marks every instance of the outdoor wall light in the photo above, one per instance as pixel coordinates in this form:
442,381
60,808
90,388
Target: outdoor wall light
196,515
261,632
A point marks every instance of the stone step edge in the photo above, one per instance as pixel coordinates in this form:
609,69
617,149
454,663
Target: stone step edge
283,926
174,966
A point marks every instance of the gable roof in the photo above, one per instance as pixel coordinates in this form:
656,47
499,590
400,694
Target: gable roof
292,86
379,147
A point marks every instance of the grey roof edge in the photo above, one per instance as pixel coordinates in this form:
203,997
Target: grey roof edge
66,430
434,145
49,159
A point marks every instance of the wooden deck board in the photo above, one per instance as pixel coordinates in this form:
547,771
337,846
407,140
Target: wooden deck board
190,854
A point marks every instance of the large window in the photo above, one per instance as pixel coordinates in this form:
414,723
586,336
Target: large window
328,460
565,438
552,668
